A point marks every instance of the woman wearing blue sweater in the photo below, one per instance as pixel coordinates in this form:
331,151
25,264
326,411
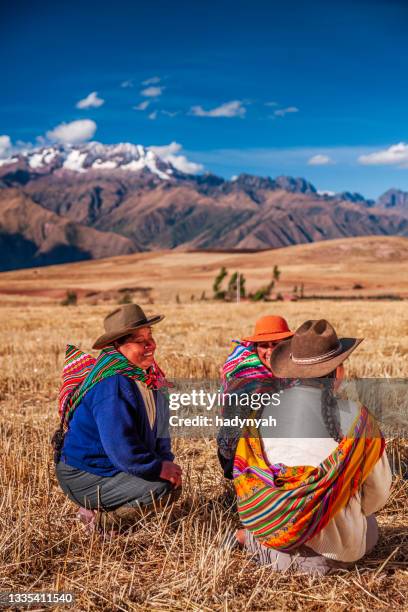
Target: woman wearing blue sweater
116,452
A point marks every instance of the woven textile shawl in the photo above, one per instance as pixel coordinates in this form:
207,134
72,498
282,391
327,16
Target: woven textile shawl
243,362
242,373
285,507
82,372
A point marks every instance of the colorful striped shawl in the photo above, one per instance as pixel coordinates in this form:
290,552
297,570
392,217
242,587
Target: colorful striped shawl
242,373
285,507
82,372
243,362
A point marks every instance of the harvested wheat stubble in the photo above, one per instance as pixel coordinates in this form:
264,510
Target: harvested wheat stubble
174,562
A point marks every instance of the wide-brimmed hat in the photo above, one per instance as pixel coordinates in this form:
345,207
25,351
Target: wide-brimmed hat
314,351
123,321
270,327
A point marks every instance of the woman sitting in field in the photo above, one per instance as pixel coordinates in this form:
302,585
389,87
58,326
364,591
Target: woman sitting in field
308,488
251,356
248,369
116,453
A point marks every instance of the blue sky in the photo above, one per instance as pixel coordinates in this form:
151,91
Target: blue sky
313,89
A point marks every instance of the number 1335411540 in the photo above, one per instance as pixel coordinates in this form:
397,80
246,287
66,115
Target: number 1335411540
23,599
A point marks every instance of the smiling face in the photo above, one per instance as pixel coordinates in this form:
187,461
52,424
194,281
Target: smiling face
139,348
264,350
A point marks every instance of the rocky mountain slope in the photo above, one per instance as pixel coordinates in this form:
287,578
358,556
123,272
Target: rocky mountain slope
394,199
133,200
33,236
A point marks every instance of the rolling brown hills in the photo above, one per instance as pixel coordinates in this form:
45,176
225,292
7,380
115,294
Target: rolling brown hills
30,235
250,212
144,203
331,268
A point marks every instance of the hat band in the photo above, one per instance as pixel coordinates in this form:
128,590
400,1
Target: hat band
318,358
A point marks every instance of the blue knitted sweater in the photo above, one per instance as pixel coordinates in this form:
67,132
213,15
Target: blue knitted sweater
110,432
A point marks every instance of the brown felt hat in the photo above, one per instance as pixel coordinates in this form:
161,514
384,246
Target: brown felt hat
313,351
123,321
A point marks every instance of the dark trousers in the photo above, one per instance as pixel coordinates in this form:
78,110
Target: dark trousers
109,493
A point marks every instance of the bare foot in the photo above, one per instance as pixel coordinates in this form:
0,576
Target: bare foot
88,519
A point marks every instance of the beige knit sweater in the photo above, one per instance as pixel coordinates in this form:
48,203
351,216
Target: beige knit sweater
344,537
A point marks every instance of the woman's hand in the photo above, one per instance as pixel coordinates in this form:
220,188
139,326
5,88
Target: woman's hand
172,472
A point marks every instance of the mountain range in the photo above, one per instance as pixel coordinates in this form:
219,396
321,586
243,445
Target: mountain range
67,203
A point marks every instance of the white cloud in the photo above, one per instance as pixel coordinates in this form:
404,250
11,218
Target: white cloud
164,150
284,111
170,153
320,160
127,84
142,106
152,81
73,132
91,101
271,104
395,155
152,92
153,115
170,113
5,145
229,109
277,160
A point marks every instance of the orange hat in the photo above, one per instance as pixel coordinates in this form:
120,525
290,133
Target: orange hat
270,328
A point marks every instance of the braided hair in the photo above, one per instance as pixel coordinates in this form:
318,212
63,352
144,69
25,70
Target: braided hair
57,440
330,408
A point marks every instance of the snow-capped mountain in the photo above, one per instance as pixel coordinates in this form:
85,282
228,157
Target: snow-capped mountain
90,156
133,200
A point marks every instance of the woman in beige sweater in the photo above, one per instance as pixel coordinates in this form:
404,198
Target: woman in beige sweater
310,424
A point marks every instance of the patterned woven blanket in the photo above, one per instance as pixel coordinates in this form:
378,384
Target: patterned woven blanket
285,507
82,372
243,363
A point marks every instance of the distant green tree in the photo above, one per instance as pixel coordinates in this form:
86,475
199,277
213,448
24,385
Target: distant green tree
263,293
276,273
218,293
242,281
71,299
233,286
260,295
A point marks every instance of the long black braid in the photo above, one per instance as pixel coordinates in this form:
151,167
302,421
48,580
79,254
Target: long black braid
57,440
330,408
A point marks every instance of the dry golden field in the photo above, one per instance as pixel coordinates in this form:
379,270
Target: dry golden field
173,562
